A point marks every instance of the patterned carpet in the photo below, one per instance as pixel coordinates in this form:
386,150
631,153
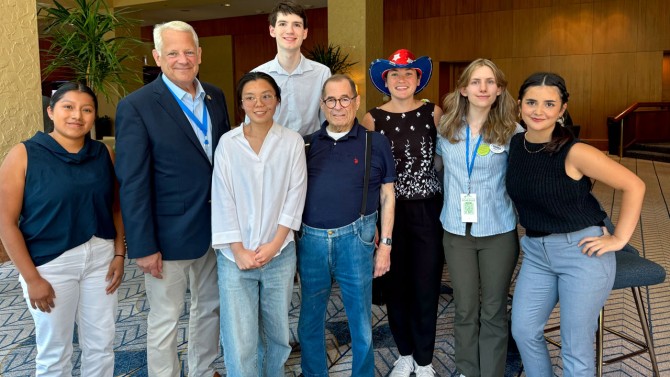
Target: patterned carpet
17,346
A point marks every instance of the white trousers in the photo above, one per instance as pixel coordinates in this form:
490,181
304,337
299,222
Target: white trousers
78,279
166,301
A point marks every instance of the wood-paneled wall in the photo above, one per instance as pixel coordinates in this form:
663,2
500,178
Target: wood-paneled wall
610,52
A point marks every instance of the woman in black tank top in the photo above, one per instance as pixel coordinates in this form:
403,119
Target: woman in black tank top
567,254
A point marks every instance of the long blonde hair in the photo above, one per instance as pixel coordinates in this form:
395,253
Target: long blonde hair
501,120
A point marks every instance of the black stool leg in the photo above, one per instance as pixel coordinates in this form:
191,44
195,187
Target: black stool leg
599,342
645,328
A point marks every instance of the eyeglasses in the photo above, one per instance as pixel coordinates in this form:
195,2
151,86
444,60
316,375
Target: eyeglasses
344,102
265,98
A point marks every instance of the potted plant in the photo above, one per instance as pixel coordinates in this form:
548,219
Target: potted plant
86,39
332,57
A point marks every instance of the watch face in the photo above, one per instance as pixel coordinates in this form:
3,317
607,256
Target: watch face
386,241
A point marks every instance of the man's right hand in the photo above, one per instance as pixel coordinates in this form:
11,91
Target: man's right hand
152,264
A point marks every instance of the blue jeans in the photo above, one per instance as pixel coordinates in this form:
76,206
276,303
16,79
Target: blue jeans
346,255
554,269
254,308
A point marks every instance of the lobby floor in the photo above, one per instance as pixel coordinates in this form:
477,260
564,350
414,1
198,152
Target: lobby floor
17,346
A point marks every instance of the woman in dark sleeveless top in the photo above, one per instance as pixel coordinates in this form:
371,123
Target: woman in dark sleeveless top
57,224
416,261
567,253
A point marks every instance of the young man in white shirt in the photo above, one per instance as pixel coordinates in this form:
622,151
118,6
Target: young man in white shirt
299,78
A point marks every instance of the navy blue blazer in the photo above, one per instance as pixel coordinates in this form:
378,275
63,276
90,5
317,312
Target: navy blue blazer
164,173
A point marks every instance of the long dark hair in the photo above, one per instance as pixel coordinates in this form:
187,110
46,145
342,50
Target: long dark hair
560,135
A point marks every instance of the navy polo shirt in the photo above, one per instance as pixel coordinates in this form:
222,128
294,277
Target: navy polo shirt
336,170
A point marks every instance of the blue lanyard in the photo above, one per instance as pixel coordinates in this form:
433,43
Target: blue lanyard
202,126
470,163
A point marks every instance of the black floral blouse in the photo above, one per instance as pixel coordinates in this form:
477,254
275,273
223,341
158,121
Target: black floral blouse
413,138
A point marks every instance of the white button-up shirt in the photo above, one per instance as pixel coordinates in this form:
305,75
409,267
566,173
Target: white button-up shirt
252,194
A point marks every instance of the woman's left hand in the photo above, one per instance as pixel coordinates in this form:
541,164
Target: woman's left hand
265,252
114,274
602,244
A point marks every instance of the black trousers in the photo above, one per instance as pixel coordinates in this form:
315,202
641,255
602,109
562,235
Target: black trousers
413,287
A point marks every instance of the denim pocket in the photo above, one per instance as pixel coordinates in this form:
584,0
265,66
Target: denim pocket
366,234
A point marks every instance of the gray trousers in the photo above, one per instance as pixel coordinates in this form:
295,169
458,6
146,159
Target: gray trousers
480,269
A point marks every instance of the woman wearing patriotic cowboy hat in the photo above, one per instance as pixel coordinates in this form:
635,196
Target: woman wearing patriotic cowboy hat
417,257
480,239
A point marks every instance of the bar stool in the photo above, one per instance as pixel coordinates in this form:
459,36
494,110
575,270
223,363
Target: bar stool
634,272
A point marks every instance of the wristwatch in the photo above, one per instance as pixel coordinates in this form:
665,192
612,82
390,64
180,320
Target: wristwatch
386,241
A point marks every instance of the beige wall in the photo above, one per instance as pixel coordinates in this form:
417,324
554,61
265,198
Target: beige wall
20,91
356,26
217,67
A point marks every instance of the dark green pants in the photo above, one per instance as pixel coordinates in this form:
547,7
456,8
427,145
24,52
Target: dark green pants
480,269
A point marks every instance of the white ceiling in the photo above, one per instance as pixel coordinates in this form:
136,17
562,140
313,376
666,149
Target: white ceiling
211,9
156,11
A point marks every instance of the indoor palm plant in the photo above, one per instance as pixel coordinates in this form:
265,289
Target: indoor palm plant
332,57
89,40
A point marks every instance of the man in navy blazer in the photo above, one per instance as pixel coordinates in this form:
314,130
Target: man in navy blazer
166,133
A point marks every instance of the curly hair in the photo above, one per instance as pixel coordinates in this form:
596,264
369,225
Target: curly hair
501,120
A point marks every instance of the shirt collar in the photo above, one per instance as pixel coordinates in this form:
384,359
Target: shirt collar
180,93
354,132
302,67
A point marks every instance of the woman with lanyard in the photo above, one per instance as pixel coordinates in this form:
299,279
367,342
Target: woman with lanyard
480,239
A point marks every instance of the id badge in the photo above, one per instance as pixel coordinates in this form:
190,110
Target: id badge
469,208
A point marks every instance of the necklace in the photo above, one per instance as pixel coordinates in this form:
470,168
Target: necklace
532,152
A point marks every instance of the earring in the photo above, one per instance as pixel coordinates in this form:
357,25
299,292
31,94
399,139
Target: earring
561,121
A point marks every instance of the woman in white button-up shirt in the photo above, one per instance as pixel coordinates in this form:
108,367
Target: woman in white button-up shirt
258,194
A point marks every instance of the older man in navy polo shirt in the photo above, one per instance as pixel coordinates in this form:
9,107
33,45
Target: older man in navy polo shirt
337,238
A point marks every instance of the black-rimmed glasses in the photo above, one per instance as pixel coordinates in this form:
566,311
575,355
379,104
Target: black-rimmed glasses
344,102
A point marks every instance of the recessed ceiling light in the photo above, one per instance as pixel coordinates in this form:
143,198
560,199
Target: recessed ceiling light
226,5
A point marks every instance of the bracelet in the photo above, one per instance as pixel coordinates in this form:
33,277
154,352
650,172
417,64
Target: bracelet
120,255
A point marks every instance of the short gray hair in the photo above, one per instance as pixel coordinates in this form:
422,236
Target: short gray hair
339,77
172,25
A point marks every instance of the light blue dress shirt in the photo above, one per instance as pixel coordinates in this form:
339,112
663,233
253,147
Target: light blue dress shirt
300,94
495,211
196,105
